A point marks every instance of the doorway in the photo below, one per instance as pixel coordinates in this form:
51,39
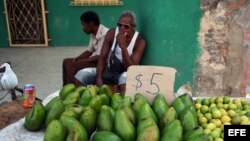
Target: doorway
26,23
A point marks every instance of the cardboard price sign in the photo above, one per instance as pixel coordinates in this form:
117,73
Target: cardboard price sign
151,80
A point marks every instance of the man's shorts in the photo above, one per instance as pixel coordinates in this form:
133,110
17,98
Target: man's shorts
87,76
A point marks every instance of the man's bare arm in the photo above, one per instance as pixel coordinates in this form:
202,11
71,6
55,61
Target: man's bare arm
104,55
135,58
84,55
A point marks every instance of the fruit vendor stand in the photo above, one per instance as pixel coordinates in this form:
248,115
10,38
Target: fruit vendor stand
98,114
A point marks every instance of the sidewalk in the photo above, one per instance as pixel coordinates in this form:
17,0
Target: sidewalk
39,66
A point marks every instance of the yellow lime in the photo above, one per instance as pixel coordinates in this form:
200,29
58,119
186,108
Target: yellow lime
215,134
211,126
219,99
219,105
208,116
232,113
216,114
197,106
237,101
218,139
217,122
223,112
225,119
202,120
204,109
213,105
244,118
212,100
225,106
207,131
232,106
245,122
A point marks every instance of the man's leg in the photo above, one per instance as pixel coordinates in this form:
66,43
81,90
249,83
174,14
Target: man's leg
74,67
122,83
64,70
86,76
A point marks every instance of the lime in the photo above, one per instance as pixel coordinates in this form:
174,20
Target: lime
242,113
219,105
246,107
244,102
213,109
225,119
197,106
248,114
222,135
211,126
212,100
232,106
208,116
239,106
218,139
225,106
210,138
204,125
219,99
213,105
217,122
223,112
198,100
232,113
207,131
245,122
215,134
244,118
216,114
226,100
236,120
222,127
199,114
202,120
205,101
204,109
237,101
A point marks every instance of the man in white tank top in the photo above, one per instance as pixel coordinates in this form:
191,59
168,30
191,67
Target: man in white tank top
122,47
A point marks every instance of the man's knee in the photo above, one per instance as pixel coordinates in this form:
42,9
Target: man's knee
86,76
123,78
67,60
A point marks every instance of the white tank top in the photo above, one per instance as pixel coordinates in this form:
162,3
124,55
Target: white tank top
118,51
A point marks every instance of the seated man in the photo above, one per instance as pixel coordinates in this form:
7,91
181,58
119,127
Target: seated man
91,25
122,47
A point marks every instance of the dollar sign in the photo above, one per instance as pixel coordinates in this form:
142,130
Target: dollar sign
139,83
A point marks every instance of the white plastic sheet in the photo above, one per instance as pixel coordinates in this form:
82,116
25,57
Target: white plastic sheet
17,132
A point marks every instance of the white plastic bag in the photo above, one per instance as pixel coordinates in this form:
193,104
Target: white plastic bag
9,78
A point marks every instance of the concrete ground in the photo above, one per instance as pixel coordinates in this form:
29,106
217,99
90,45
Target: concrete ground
39,66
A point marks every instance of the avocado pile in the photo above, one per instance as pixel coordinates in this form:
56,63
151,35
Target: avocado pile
95,113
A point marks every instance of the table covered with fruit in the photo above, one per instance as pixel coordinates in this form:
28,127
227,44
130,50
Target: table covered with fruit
95,113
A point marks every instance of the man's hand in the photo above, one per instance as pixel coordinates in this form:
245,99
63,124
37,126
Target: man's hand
99,82
121,39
